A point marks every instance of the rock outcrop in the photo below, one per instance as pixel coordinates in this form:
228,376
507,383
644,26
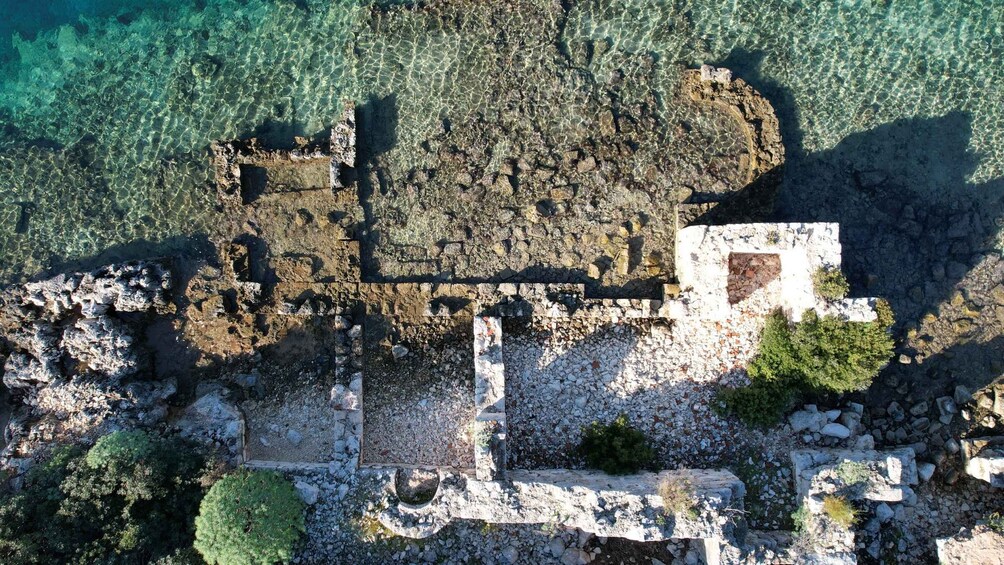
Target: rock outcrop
74,362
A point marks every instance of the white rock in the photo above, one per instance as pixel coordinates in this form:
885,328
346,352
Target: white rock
805,420
884,513
836,430
556,547
307,492
510,554
398,351
925,471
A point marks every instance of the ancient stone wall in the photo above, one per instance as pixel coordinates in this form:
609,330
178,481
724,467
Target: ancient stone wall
703,259
612,506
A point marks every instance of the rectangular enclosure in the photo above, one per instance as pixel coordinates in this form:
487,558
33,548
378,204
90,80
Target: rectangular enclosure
419,408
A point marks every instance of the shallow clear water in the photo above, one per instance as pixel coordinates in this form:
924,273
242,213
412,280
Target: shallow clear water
107,109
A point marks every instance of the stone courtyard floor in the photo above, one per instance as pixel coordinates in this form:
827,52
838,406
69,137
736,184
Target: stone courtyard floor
563,374
418,406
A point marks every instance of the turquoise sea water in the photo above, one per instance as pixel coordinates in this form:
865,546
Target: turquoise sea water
107,107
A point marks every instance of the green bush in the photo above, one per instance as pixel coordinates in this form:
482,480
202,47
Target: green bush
761,404
249,518
131,498
995,521
815,355
884,314
616,448
830,283
837,356
121,448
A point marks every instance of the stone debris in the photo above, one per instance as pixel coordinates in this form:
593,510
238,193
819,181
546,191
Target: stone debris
214,419
891,474
984,459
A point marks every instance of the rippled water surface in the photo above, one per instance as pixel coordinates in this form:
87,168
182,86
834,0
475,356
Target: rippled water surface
107,107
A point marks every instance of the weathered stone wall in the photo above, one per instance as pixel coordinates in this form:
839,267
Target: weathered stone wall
489,400
613,506
984,459
702,265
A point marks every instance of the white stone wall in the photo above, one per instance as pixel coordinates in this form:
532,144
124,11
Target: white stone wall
611,506
893,473
702,266
489,399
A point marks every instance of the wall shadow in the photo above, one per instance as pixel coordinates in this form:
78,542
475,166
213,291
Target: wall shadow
377,123
911,225
176,249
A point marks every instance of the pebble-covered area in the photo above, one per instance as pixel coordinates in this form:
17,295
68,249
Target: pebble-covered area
561,375
419,395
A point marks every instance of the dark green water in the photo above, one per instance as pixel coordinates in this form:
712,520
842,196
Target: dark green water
107,107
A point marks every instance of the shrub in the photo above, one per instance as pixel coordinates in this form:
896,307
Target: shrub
249,518
120,448
837,356
800,519
853,472
818,354
482,433
840,510
616,448
830,283
761,404
678,496
995,522
130,499
884,314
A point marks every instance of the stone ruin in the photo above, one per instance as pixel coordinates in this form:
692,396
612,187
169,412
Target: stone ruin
319,274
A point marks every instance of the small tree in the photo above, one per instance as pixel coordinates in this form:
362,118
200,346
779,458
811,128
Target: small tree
616,448
817,354
838,356
131,498
249,518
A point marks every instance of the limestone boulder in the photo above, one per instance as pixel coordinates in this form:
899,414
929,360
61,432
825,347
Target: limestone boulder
215,420
103,346
978,544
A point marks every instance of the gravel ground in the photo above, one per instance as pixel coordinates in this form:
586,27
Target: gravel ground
418,407
562,375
